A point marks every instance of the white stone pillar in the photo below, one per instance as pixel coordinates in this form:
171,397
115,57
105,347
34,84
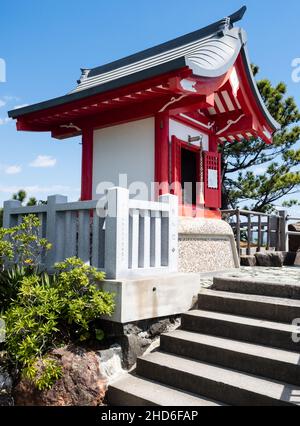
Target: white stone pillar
170,233
116,233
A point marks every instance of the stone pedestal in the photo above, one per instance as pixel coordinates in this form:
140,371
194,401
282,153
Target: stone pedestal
206,245
152,297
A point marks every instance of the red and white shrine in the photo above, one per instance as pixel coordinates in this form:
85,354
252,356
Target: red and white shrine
160,115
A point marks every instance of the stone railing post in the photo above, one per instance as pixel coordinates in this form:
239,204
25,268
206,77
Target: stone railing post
283,230
274,231
52,230
7,207
170,233
116,233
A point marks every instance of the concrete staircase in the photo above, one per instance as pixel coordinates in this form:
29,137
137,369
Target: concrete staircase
236,349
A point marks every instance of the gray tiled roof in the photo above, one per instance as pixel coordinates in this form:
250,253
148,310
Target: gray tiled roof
208,52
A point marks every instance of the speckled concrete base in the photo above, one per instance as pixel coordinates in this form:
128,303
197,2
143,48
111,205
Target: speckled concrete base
206,245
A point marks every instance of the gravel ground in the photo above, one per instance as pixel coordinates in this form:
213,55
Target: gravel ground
287,275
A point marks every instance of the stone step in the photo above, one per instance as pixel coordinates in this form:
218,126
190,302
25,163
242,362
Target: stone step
254,359
258,287
277,335
135,391
217,383
264,307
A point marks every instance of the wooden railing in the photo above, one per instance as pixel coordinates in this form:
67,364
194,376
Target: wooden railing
265,226
123,237
286,220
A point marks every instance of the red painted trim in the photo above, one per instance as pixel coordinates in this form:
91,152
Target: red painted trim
213,142
145,102
188,104
176,168
138,111
78,111
87,164
69,111
192,125
162,152
212,197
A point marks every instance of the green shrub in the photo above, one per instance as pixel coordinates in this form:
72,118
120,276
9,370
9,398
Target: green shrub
9,284
21,250
6,247
51,311
22,244
42,311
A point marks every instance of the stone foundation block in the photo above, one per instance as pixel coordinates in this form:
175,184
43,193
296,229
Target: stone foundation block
206,245
248,261
269,260
154,297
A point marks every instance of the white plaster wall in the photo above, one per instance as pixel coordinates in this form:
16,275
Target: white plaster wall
125,149
182,131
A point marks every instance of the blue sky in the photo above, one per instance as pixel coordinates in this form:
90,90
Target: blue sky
44,44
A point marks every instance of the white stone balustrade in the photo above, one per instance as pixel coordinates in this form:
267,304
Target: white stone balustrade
126,239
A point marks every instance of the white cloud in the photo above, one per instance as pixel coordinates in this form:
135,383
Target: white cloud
259,169
5,121
43,161
39,192
36,189
12,170
11,98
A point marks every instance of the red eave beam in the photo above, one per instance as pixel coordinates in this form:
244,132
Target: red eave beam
242,124
23,126
191,103
64,133
65,113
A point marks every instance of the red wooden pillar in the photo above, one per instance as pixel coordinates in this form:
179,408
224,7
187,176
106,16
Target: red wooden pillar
213,143
87,164
162,152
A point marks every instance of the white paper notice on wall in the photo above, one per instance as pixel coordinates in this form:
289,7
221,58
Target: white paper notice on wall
213,179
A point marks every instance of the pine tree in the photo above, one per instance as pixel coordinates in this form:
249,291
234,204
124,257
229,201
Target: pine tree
276,172
22,196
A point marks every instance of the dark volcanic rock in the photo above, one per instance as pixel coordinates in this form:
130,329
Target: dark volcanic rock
136,338
82,383
248,260
6,383
270,259
294,239
5,388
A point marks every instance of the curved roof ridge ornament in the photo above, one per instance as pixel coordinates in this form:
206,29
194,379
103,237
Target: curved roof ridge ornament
225,26
84,75
238,15
228,21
